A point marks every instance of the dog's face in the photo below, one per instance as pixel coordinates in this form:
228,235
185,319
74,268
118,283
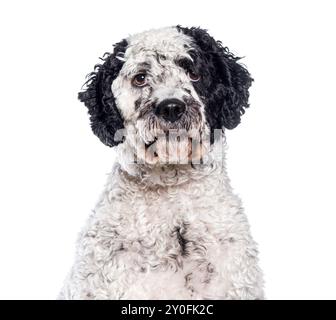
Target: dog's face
166,89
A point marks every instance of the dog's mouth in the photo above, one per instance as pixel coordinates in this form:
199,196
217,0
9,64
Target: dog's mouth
178,151
171,142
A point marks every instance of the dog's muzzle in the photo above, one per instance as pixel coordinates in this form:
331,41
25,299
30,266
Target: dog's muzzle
170,109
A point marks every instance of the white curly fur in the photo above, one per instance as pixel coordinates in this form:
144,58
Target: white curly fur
164,231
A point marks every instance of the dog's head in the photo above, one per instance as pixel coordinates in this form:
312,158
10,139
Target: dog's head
173,82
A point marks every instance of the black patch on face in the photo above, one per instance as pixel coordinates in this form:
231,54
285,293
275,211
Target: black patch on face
105,117
143,67
137,103
186,64
187,91
224,83
147,108
160,57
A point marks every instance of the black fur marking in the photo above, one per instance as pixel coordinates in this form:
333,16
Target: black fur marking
180,231
144,65
187,91
137,104
98,98
186,64
224,82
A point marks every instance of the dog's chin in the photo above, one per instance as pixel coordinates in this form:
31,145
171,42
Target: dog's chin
180,151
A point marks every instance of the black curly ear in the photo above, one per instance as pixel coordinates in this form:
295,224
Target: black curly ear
224,83
98,98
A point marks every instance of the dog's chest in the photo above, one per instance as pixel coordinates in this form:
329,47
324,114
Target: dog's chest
164,234
177,218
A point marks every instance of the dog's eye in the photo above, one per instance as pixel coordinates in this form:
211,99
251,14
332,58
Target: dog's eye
193,76
139,80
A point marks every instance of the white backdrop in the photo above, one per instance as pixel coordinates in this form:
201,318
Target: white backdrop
281,159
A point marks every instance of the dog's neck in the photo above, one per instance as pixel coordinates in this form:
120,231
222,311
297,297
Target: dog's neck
171,175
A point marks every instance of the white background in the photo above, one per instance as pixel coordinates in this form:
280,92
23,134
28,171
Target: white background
281,159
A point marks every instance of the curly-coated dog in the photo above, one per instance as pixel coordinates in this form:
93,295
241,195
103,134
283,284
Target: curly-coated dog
167,225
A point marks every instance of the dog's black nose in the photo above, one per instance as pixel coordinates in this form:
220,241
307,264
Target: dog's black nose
170,109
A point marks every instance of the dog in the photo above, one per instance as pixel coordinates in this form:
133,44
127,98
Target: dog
167,225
